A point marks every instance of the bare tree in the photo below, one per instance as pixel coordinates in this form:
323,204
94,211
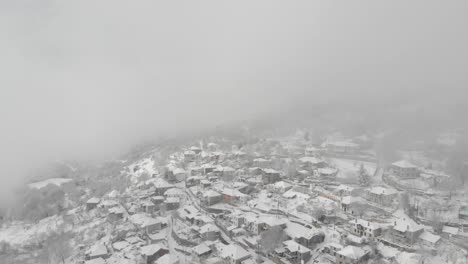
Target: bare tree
56,248
271,239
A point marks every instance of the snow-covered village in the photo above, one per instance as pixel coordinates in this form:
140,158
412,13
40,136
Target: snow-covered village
233,132
289,199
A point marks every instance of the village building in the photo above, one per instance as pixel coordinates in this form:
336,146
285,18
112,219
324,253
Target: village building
326,173
116,213
381,195
404,169
161,186
189,156
233,196
153,252
209,232
196,150
405,231
296,252
365,228
233,253
353,205
167,259
174,192
352,255
429,240
211,197
311,163
205,183
282,186
147,223
120,245
92,203
193,180
172,203
201,251
463,212
332,249
98,250
147,206
344,190
270,176
307,237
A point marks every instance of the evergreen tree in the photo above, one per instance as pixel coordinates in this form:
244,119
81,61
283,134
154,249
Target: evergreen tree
364,177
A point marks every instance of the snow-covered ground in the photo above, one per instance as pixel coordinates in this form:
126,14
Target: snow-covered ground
348,169
19,233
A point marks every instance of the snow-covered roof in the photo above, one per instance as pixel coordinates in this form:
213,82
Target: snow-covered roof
189,152
173,192
201,249
161,183
208,228
352,199
233,252
293,246
120,245
404,164
96,261
327,171
273,220
450,230
352,252
228,169
312,160
150,250
167,259
97,249
407,224
94,200
378,190
283,185
233,192
178,171
144,220
270,171
172,200
295,230
429,237
211,193
133,239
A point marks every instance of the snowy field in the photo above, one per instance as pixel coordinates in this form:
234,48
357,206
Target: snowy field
348,169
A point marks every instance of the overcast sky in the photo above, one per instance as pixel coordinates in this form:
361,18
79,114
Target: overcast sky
91,78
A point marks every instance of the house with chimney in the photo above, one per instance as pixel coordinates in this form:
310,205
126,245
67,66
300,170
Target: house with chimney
406,231
365,228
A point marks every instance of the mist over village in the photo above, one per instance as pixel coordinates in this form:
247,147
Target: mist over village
233,132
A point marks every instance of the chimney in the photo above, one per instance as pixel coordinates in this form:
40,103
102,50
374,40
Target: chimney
394,223
368,223
407,227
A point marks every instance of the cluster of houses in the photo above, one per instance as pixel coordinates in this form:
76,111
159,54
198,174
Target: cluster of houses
215,204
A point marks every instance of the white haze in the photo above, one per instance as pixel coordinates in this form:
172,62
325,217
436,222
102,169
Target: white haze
88,79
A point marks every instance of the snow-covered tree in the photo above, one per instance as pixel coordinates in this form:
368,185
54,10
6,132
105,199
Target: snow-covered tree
364,177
